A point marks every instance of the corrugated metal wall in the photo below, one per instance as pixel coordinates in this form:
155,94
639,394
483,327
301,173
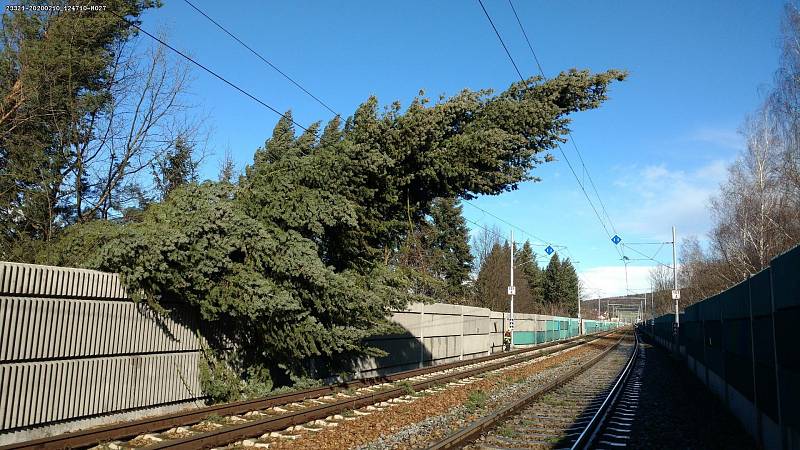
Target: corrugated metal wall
72,345
742,343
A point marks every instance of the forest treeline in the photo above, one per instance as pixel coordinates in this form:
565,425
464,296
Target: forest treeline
756,213
303,254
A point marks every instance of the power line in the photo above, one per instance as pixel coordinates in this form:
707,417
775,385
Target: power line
526,37
649,258
591,181
497,235
262,58
218,76
569,164
492,232
512,225
572,139
501,40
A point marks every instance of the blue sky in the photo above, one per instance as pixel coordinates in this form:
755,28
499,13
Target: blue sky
656,150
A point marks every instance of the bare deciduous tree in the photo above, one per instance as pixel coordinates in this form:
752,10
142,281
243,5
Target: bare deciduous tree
482,244
661,282
145,119
752,224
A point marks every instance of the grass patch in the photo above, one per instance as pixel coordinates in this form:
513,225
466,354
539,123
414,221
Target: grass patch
507,431
215,418
407,387
476,400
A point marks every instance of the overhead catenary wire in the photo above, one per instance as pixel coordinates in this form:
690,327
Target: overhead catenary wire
566,159
535,58
502,237
488,230
502,42
544,241
572,138
262,58
649,258
206,69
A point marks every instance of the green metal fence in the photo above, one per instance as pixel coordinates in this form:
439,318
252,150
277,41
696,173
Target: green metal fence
743,344
560,328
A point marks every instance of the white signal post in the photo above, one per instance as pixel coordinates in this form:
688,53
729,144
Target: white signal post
511,291
676,294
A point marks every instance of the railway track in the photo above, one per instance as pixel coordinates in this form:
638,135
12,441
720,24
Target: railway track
614,425
221,424
591,406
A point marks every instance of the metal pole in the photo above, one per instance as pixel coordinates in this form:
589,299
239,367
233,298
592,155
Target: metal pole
422,335
511,290
675,274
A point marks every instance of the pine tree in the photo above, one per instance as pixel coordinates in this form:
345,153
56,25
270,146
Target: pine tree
570,286
561,287
296,261
227,168
493,281
176,168
447,239
54,74
533,276
552,292
493,277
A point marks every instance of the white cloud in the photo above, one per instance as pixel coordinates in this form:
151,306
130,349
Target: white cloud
664,196
720,137
607,281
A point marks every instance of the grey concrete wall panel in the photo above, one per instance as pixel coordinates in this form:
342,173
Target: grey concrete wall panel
57,328
74,349
51,391
73,346
49,281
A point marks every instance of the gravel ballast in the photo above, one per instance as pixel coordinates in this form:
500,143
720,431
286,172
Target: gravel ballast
410,425
677,411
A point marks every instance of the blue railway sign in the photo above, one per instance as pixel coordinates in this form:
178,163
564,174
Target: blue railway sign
549,250
616,239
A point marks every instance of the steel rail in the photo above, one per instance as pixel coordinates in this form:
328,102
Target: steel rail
589,434
258,427
92,436
468,434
